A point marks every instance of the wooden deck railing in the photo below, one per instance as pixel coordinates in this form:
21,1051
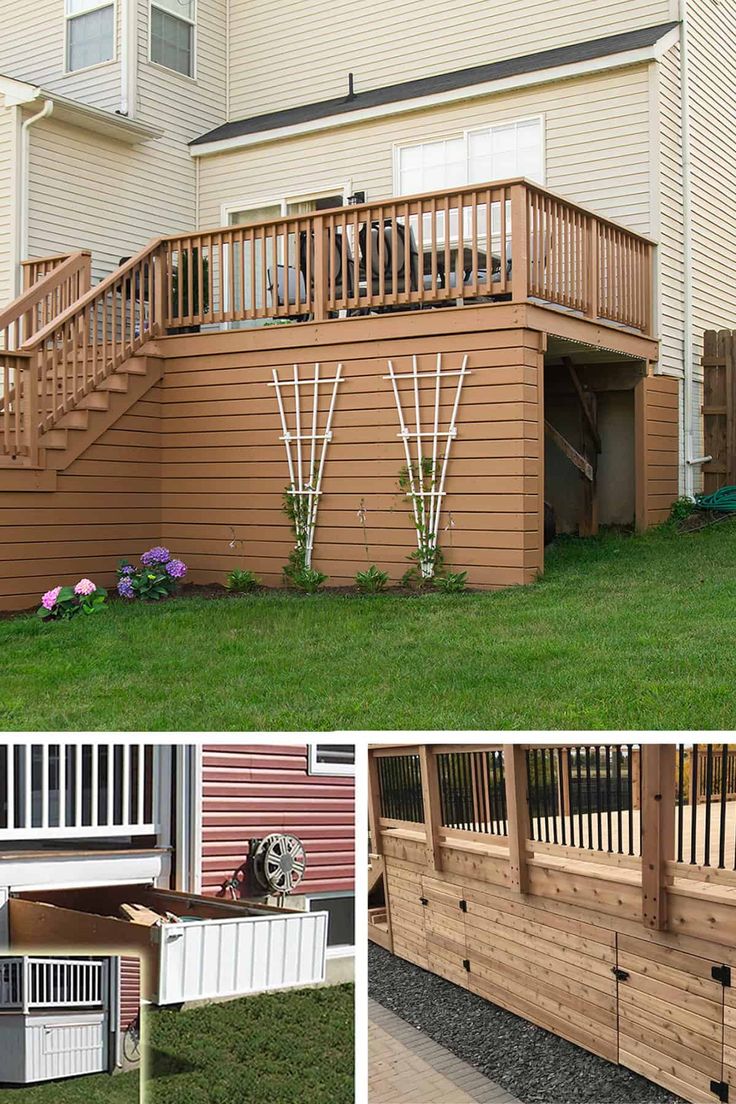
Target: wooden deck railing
36,268
506,241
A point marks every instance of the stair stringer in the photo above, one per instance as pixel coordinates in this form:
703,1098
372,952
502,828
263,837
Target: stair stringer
102,420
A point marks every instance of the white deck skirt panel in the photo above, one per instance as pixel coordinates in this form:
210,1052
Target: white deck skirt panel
234,957
44,1046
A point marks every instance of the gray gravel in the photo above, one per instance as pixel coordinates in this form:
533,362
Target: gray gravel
530,1063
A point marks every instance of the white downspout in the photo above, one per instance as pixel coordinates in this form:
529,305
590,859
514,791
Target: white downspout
128,57
25,170
687,244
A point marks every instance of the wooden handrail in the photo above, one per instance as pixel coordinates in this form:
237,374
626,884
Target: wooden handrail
45,299
36,268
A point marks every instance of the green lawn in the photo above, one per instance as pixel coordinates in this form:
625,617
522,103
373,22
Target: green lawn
99,1088
279,1048
622,632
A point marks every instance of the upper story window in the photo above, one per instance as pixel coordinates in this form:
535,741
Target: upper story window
90,33
486,153
172,34
332,758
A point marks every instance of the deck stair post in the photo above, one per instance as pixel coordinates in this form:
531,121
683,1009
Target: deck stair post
657,830
517,805
432,806
374,805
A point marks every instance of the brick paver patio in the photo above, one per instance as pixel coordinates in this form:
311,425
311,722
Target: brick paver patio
407,1067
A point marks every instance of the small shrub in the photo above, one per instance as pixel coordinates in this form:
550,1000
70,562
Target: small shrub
371,581
451,582
157,576
64,602
681,508
306,578
240,581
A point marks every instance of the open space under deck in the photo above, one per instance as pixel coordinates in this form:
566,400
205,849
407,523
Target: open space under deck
630,956
139,433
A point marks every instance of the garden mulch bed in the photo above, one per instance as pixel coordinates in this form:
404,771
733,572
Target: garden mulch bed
529,1062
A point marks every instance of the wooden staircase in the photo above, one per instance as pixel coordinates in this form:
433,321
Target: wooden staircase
63,386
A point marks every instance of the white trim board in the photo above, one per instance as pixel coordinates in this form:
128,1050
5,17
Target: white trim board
594,66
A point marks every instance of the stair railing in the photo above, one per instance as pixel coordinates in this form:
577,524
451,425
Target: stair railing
81,348
45,299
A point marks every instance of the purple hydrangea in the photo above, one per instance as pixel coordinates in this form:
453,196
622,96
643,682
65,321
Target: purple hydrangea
176,569
49,599
125,588
85,587
157,555
127,569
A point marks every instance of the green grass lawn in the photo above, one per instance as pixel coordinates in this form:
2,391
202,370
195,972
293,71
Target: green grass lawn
279,1048
101,1088
622,632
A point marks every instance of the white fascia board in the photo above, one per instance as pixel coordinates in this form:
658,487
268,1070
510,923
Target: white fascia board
68,871
19,93
623,60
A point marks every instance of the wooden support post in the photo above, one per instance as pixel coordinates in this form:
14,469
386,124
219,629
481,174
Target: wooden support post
635,773
658,831
517,805
640,456
519,243
320,274
563,782
432,807
374,805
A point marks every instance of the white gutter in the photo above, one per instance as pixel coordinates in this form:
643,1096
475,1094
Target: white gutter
687,266
25,170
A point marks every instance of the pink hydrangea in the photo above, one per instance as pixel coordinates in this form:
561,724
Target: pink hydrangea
85,587
49,599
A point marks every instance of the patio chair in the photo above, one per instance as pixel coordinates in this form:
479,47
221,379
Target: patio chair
394,240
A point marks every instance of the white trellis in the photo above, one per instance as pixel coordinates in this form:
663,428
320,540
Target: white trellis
306,450
427,470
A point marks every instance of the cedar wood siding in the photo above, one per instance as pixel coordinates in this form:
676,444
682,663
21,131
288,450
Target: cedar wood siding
249,792
106,506
399,41
130,991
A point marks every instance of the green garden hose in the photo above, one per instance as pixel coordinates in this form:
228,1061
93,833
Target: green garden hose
724,499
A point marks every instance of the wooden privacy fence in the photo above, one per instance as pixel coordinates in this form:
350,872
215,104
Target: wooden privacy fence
719,409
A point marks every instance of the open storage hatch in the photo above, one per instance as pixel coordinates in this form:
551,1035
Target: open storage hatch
218,949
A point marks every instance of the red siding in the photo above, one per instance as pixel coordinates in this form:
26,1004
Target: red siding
130,991
249,792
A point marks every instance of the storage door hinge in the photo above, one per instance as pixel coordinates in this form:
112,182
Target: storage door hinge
466,964
722,974
463,906
720,1089
424,900
619,974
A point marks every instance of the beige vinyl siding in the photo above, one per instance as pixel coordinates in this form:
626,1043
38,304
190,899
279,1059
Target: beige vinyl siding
711,38
88,191
32,48
596,134
7,157
305,52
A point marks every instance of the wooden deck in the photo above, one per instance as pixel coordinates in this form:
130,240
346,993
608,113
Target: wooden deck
622,955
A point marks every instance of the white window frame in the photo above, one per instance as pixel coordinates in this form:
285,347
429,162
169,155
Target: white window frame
397,147
339,949
68,17
283,199
193,23
334,769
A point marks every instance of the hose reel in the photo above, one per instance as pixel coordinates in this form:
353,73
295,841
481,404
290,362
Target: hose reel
279,862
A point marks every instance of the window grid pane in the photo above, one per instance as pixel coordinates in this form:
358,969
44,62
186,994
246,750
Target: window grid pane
91,38
171,41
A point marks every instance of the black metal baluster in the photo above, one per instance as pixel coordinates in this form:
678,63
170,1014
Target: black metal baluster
619,801
722,835
578,758
708,796
680,797
630,787
694,763
562,788
589,792
599,796
609,781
